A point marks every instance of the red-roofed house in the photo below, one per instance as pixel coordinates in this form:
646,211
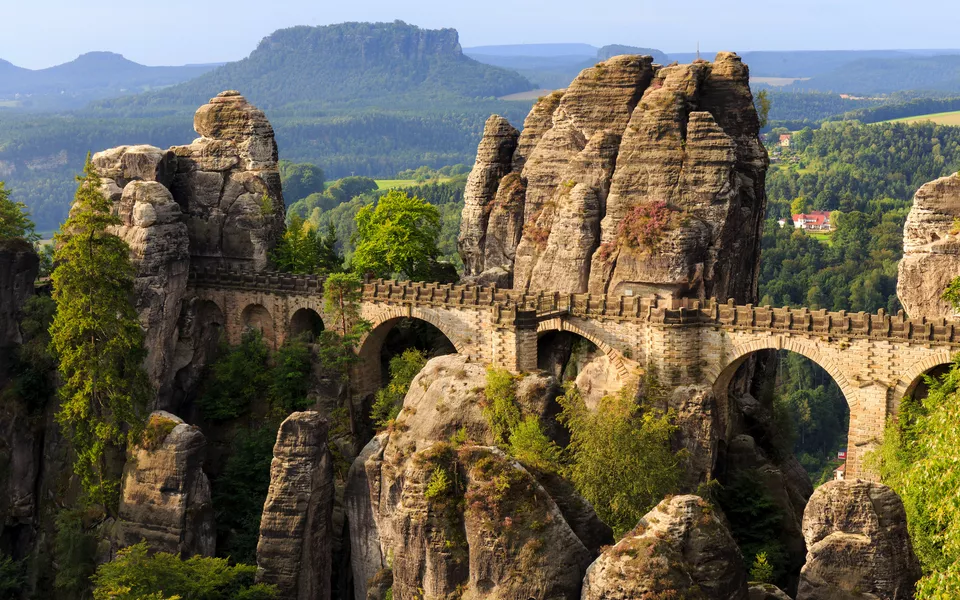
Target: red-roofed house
818,220
784,140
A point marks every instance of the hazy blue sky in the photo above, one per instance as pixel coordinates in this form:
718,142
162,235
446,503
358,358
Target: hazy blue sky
41,33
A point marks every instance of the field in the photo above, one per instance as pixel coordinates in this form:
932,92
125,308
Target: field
389,184
9,103
824,237
947,118
777,81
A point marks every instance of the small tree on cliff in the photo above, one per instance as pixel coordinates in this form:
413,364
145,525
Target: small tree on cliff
341,297
14,219
399,236
98,341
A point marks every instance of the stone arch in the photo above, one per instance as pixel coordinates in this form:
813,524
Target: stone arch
257,316
616,358
913,374
721,374
305,320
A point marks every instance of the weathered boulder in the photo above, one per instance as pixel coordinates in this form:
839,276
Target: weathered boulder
165,497
19,265
679,549
858,546
296,530
507,542
766,591
152,225
931,250
637,179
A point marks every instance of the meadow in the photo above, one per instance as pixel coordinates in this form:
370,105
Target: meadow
944,118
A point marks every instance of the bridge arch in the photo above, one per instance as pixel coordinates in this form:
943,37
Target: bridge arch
305,321
912,376
561,324
257,316
721,374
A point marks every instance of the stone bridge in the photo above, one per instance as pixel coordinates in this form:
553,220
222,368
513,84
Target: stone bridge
876,359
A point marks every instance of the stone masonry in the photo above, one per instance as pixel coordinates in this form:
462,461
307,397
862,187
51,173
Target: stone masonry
876,359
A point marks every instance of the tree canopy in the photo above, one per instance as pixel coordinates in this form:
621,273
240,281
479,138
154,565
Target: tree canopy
14,218
398,236
98,341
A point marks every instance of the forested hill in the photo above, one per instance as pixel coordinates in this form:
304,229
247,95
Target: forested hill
355,98
91,76
349,64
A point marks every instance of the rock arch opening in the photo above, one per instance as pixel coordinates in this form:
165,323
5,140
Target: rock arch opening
569,356
385,342
306,322
256,316
786,428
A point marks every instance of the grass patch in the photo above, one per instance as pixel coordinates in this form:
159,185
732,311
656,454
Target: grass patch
944,118
392,184
824,237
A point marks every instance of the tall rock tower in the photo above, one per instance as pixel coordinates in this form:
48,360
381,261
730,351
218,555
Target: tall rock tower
636,180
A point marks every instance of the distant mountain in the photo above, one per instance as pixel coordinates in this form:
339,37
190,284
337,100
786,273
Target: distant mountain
618,49
886,76
809,63
553,71
91,76
541,50
349,64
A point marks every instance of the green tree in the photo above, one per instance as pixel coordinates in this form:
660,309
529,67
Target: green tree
302,249
336,347
389,400
14,219
763,107
761,570
300,180
398,236
135,574
11,578
620,455
75,552
97,338
290,377
238,378
918,459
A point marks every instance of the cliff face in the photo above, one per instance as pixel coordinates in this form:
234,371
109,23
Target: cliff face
931,249
637,179
19,264
216,202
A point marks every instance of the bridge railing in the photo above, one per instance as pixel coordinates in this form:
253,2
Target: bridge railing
509,305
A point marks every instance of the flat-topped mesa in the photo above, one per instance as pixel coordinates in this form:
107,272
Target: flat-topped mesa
931,250
636,180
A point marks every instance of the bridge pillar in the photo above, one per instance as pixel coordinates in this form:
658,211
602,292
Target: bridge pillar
515,342
868,418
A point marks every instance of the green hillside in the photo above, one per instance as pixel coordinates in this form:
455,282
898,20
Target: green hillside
355,99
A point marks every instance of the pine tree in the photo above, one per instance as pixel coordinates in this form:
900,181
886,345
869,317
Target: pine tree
98,341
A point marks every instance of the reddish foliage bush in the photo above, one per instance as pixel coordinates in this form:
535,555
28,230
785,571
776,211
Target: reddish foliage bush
643,227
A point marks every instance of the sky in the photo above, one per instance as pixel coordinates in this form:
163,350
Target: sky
42,33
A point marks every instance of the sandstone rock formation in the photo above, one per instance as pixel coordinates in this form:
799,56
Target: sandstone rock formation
215,202
165,496
296,531
19,264
527,538
766,591
931,249
679,549
637,179
857,544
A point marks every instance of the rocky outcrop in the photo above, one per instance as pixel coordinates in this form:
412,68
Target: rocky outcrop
165,497
857,544
931,250
636,179
766,591
153,227
296,530
215,202
19,265
449,516
679,549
